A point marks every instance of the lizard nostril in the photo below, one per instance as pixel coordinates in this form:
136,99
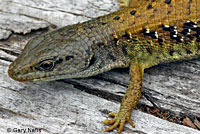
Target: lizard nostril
13,73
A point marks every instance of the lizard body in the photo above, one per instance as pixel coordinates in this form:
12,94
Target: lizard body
141,35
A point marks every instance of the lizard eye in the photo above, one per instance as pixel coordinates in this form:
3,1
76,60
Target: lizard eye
47,65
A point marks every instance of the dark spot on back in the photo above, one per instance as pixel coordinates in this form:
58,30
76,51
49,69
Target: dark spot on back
197,30
68,57
149,6
173,32
170,28
115,40
133,12
188,51
149,50
116,18
185,31
189,24
101,23
168,12
127,36
187,27
177,38
168,1
150,33
160,40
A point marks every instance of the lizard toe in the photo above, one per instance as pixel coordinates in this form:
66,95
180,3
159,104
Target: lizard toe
116,124
109,122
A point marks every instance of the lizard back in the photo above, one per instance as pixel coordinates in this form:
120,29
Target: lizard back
156,32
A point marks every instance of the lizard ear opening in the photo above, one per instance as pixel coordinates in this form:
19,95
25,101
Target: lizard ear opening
92,61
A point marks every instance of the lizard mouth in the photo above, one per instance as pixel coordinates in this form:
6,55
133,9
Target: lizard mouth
14,77
28,78
24,79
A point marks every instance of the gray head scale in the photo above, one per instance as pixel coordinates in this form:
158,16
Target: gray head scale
62,54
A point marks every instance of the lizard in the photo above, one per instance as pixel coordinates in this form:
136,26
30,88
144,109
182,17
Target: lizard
142,34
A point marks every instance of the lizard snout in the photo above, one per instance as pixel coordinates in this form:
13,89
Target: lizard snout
14,74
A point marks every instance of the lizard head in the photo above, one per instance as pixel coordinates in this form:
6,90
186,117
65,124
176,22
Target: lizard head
58,55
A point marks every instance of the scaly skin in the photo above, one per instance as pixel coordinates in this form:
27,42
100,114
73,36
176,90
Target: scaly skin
139,36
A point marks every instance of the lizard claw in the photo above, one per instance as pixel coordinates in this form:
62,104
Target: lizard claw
112,114
119,120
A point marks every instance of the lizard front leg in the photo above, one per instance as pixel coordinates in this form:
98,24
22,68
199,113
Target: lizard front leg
129,100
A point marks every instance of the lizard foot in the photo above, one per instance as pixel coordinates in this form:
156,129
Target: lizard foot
119,120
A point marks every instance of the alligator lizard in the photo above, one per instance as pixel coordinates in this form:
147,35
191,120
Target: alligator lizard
143,34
